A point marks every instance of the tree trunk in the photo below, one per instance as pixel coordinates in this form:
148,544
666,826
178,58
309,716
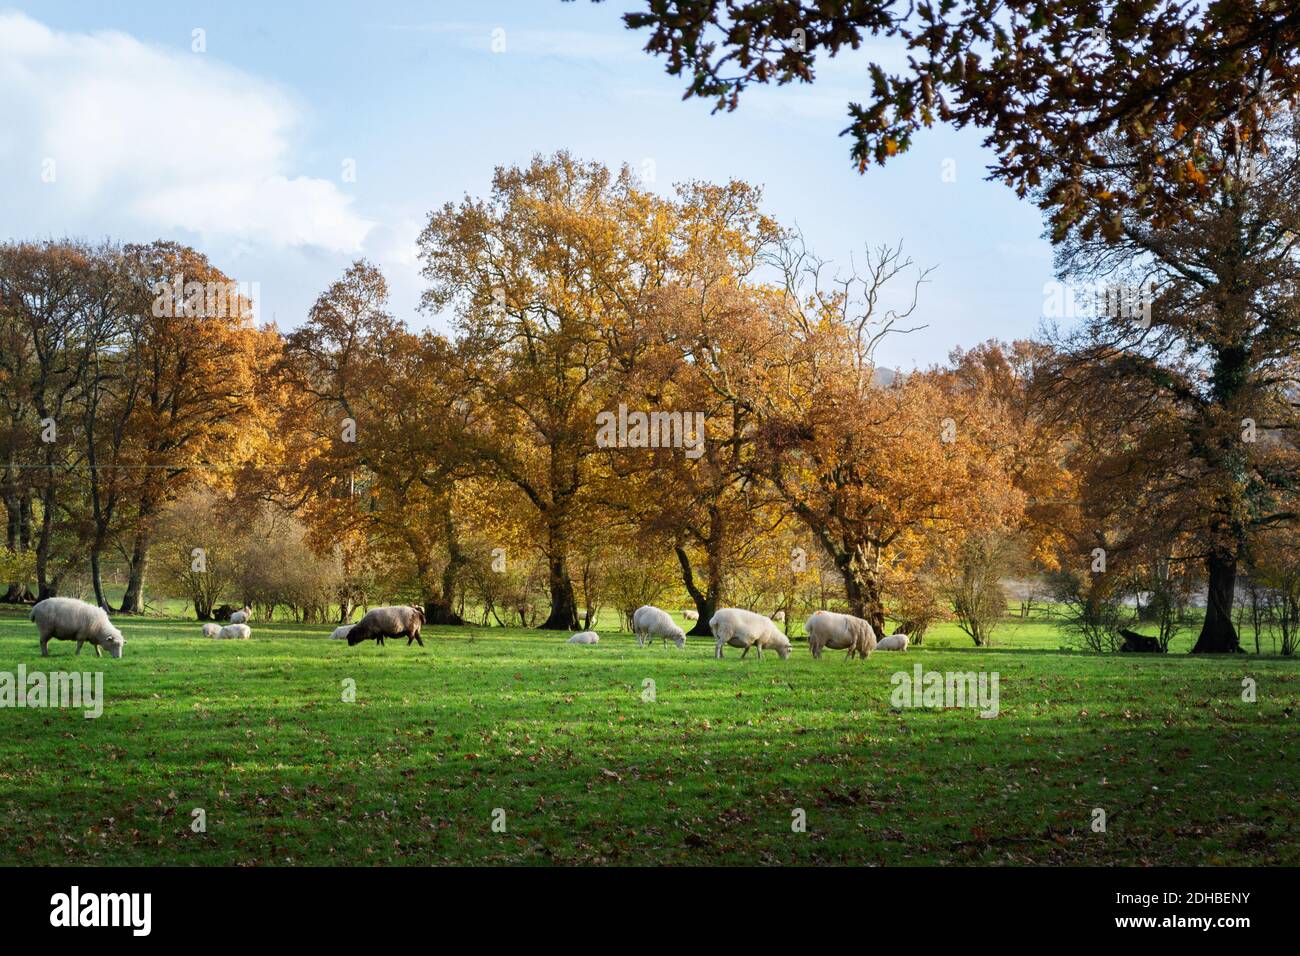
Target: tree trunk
439,611
1218,635
706,601
438,608
97,577
862,588
564,603
133,600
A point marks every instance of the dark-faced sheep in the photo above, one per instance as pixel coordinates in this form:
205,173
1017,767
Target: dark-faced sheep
399,620
1138,643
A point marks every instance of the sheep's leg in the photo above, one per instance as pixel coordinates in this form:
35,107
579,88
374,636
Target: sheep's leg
717,650
746,651
45,645
99,651
79,643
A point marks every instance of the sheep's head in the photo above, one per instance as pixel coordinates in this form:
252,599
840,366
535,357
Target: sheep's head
113,643
355,636
679,639
783,649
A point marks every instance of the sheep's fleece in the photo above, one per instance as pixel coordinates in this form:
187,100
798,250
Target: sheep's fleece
67,619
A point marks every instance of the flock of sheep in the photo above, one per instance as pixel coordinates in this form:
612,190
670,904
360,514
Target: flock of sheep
736,627
67,619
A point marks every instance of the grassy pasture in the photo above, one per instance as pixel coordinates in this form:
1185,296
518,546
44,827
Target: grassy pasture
559,737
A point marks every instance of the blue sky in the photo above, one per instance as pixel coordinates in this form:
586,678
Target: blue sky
240,149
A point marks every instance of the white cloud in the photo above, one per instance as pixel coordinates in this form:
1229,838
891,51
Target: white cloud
154,140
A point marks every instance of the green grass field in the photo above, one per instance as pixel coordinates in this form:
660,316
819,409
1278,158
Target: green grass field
586,771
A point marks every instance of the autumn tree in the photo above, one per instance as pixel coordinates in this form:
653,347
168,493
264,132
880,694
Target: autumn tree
882,475
541,276
378,466
1187,378
703,355
200,365
1049,81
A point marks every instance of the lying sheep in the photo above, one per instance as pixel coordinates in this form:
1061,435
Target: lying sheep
894,642
67,619
210,629
839,632
234,632
586,637
649,622
741,628
239,617
341,633
691,615
398,620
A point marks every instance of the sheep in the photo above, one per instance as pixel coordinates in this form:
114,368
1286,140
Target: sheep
586,637
341,633
67,619
239,617
210,629
741,628
399,620
649,622
894,642
234,632
839,632
691,615
779,617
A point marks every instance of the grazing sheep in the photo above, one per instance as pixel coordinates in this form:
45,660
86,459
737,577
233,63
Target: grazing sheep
894,642
1138,643
210,629
650,622
586,637
741,628
398,620
691,615
839,632
341,633
234,632
67,619
239,617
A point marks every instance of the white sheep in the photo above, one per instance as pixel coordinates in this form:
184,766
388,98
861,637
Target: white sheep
741,628
341,633
691,615
649,622
839,632
67,619
239,617
894,642
211,630
779,617
234,632
586,637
